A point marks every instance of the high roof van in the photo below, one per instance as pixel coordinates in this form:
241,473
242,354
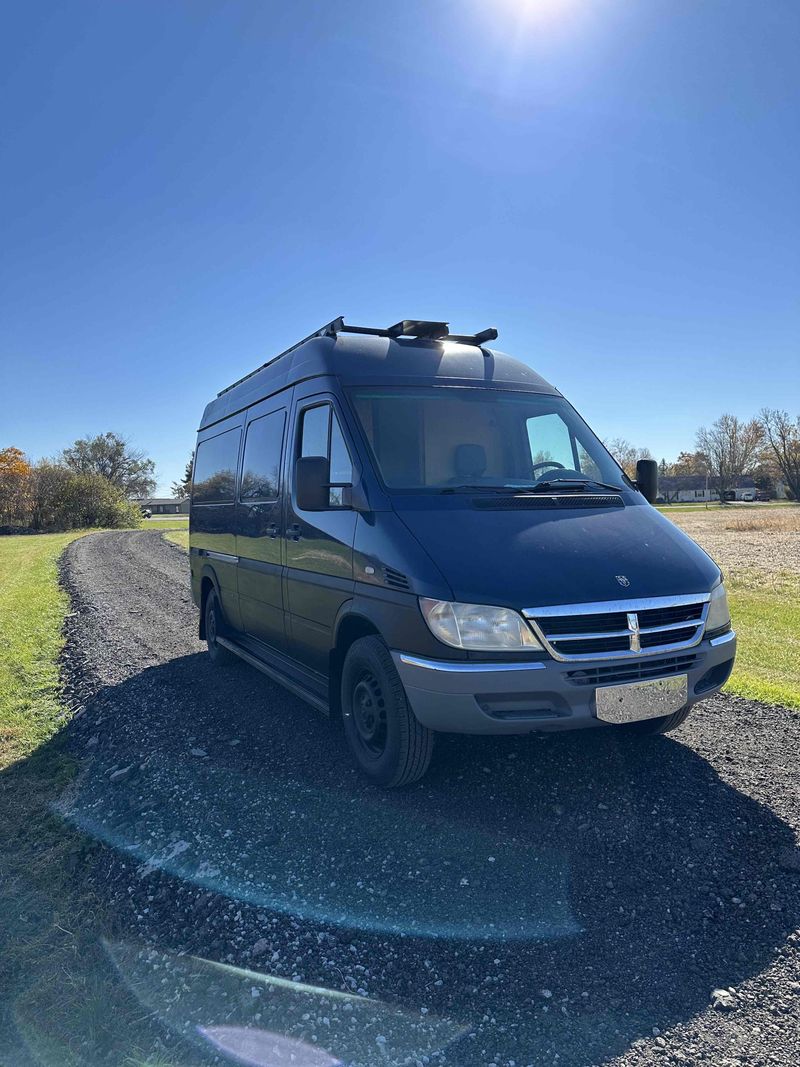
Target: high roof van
418,534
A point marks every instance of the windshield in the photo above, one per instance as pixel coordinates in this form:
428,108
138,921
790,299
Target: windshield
445,437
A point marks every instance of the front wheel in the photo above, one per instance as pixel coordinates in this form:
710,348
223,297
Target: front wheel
390,745
214,626
664,724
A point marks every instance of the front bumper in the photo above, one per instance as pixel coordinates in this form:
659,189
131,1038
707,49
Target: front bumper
515,698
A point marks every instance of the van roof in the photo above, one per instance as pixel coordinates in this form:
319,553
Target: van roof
366,357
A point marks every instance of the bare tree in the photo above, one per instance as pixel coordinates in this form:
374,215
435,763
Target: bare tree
783,443
627,455
112,457
732,448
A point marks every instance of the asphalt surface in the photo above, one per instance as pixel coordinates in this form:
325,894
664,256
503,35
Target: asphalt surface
567,900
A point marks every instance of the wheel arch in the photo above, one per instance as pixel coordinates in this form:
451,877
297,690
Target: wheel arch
350,626
208,581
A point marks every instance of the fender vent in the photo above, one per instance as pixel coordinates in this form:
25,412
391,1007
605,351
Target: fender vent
395,579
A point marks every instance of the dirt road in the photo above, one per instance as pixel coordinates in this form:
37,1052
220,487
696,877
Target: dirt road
567,900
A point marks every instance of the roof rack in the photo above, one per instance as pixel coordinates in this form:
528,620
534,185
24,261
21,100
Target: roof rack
418,328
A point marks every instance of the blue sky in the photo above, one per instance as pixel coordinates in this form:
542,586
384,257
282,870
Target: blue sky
187,188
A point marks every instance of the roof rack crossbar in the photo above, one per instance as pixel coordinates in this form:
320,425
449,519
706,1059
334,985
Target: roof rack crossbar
474,338
419,328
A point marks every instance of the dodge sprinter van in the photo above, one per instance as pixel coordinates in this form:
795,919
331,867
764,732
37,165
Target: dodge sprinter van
418,534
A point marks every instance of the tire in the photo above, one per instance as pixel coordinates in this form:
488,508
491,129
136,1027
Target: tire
390,745
664,724
215,626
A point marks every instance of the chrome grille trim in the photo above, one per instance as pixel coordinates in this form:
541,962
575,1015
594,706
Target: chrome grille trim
538,617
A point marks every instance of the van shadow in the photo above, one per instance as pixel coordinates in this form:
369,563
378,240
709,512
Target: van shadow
576,889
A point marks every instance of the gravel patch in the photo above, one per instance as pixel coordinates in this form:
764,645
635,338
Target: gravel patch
565,900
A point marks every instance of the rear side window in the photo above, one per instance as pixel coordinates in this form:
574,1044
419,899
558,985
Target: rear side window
214,479
262,457
321,435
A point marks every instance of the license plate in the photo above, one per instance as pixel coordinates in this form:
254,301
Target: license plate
641,700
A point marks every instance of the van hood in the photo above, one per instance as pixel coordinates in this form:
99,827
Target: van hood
523,559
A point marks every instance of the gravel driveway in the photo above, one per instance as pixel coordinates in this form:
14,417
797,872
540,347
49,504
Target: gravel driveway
566,900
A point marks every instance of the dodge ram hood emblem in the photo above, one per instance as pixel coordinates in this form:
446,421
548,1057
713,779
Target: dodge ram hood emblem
622,580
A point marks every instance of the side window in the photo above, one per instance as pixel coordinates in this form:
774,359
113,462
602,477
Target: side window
321,435
341,464
316,424
587,464
262,457
550,441
214,480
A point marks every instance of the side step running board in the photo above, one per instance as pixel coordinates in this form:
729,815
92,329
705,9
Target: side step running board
275,675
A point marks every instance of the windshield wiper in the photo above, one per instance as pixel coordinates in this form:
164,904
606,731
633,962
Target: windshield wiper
578,484
482,489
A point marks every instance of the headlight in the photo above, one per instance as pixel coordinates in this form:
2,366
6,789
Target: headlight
478,627
718,614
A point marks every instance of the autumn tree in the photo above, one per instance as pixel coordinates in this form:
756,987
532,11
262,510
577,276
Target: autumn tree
183,488
689,463
112,457
64,499
15,473
627,455
732,448
782,438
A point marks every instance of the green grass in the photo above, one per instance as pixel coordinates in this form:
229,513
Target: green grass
766,617
178,537
760,509
61,1004
166,522
32,609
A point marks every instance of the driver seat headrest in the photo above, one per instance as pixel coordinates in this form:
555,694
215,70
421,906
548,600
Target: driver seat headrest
470,461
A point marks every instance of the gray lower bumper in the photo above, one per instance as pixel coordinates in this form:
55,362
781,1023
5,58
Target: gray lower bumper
513,698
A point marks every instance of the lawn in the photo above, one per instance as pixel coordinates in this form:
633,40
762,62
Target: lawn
766,617
668,509
60,1002
32,609
166,522
178,537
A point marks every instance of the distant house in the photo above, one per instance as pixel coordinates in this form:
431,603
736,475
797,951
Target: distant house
165,505
701,488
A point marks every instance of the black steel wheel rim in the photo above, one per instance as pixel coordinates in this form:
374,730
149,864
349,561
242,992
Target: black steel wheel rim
369,716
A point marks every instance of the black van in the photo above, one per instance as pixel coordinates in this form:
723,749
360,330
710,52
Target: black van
419,534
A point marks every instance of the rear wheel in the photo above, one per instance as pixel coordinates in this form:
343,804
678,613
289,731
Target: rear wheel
390,745
664,724
215,628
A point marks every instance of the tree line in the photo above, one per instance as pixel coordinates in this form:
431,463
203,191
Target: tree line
90,483
95,481
766,447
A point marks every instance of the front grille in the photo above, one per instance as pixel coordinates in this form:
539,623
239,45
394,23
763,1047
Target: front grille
625,628
635,671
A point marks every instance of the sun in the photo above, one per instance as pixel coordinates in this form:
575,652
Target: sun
530,12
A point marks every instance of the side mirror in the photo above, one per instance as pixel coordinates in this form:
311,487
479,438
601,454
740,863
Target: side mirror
647,479
312,474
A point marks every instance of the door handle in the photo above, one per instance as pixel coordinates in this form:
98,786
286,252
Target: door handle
294,531
272,529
